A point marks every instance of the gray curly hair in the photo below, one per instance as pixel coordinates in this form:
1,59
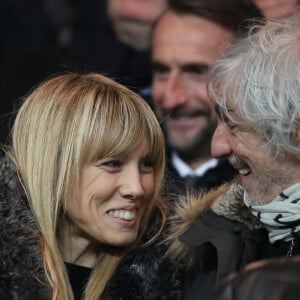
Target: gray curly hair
260,75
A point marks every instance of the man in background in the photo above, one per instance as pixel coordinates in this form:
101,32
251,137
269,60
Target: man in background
186,40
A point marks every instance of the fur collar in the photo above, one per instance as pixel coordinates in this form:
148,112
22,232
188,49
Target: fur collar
225,201
21,266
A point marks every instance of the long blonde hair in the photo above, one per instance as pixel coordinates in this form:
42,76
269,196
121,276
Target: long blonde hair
66,122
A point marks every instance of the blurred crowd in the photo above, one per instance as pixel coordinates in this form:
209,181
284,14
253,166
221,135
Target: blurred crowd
40,38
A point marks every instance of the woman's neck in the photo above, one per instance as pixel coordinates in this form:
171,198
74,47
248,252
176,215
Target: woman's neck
76,247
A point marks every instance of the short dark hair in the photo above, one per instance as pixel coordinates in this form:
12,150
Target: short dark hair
231,14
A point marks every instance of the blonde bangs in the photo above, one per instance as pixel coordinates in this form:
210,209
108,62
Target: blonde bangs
111,137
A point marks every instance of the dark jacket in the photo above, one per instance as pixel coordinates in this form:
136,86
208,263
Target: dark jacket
143,273
276,279
219,235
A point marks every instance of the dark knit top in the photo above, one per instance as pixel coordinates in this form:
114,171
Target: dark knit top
78,277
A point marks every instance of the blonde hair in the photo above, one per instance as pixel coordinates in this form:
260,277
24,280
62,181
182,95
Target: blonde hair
66,122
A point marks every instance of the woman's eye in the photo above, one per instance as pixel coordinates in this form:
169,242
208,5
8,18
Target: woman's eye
147,166
112,164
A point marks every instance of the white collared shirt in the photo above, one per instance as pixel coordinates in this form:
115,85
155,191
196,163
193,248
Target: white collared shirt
184,170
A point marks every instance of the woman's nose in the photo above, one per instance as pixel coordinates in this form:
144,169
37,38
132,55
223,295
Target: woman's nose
132,186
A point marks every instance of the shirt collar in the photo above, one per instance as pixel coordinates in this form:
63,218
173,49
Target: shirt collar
184,170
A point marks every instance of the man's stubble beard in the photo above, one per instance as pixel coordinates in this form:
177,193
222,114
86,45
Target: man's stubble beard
264,184
199,147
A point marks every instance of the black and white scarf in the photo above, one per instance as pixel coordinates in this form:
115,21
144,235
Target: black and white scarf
281,217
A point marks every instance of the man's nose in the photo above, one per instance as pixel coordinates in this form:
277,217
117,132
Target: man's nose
175,93
220,145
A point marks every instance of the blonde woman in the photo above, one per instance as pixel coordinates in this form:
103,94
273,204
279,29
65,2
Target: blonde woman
77,188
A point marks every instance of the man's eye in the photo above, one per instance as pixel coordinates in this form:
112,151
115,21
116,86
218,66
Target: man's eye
195,72
231,126
201,76
160,71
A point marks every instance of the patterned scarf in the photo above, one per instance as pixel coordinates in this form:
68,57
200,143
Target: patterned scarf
281,217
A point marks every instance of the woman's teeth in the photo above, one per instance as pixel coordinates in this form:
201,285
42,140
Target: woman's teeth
122,214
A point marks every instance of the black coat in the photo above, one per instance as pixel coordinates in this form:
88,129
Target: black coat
224,247
276,279
224,237
216,235
143,273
